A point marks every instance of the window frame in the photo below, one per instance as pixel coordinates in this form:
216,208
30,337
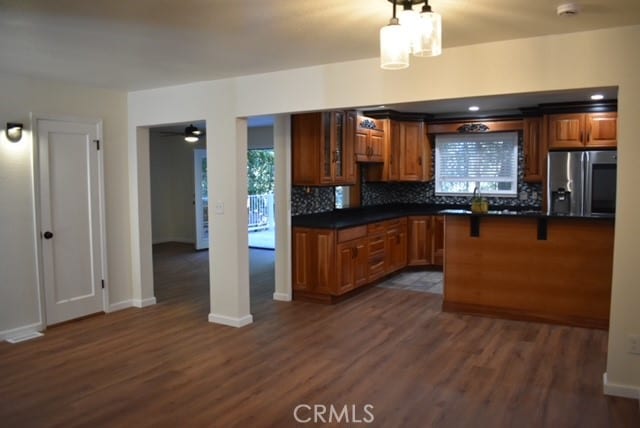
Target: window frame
513,136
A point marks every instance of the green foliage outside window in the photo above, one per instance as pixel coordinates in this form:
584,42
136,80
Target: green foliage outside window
260,170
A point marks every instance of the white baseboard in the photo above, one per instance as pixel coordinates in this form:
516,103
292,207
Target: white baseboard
143,303
21,331
620,390
118,306
283,297
231,321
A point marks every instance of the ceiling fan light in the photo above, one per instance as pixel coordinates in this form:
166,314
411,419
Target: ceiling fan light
394,46
191,134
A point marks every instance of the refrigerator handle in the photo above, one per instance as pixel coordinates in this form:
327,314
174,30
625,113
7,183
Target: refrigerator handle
588,183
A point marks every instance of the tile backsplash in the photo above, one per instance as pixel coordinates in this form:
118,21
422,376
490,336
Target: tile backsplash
321,199
311,200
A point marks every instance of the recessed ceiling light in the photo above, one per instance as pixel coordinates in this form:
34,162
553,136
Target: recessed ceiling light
596,97
474,108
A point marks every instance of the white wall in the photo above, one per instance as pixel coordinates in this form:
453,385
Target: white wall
590,59
172,188
260,137
19,301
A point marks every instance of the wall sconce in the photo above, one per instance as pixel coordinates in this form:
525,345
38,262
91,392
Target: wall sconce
14,131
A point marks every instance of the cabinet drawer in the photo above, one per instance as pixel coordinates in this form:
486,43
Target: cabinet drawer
396,222
352,233
376,244
376,267
373,228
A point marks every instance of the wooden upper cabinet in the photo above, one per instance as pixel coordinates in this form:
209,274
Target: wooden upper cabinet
580,130
409,156
322,149
602,130
369,143
533,150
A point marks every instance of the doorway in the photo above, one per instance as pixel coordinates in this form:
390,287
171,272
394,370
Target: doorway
71,218
181,271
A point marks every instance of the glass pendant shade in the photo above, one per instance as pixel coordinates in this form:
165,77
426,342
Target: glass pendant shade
394,46
191,139
430,35
410,19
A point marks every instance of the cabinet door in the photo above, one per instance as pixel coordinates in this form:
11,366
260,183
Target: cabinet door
345,268
302,250
361,268
532,150
602,130
393,171
307,153
327,152
420,245
361,145
376,145
396,249
346,152
566,131
411,151
313,256
438,240
351,265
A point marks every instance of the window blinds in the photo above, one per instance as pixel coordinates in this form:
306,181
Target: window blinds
476,159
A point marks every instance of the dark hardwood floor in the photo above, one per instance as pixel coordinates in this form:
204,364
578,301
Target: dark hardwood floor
166,366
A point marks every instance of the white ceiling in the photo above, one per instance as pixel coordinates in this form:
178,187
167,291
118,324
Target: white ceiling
139,44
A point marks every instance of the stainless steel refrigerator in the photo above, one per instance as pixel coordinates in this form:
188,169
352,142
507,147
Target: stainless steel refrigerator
582,183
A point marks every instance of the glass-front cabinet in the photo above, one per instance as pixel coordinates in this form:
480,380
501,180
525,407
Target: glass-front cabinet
322,149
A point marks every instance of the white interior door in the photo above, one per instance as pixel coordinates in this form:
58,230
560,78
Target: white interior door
70,219
201,198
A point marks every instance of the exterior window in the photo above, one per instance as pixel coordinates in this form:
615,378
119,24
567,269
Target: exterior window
342,196
488,162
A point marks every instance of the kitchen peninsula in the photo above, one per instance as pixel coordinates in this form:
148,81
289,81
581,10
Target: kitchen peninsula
529,266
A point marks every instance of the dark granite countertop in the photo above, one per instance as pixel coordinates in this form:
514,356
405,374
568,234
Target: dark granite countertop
350,217
510,212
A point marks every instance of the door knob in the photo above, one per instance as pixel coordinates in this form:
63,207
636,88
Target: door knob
48,235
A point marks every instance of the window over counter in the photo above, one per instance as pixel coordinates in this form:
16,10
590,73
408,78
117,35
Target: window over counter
488,162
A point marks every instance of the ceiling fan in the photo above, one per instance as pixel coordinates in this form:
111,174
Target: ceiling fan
191,133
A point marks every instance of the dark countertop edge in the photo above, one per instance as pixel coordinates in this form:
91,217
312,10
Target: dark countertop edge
457,212
353,217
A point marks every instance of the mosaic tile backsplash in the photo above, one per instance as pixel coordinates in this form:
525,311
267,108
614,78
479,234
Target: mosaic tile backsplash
316,200
323,198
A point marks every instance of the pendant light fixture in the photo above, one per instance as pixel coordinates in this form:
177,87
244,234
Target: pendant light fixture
414,33
394,44
430,29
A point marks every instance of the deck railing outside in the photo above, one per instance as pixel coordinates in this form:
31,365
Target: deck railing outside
261,211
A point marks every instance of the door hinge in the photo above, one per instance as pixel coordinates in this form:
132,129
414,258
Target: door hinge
103,283
97,143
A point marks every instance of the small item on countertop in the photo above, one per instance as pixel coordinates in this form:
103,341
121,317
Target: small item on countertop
479,205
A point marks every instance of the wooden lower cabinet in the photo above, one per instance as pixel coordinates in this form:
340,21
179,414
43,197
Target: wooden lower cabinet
352,265
426,241
396,249
328,263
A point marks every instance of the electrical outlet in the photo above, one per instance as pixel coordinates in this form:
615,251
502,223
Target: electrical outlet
219,209
634,343
523,195
534,195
